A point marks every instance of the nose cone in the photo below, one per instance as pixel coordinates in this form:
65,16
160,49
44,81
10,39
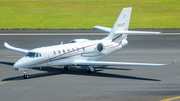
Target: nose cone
20,63
17,65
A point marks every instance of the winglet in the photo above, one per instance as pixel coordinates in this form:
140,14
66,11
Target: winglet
15,49
174,62
170,63
7,45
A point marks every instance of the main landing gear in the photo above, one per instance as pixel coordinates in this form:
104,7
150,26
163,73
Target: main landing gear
26,75
68,67
90,69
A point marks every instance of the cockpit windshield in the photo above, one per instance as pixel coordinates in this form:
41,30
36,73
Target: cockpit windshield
33,54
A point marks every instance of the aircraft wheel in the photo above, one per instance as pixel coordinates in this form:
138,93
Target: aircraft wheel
26,76
67,67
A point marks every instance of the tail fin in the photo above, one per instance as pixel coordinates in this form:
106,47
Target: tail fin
120,31
121,24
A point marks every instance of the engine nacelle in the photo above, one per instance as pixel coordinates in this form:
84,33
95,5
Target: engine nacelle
100,47
79,40
108,47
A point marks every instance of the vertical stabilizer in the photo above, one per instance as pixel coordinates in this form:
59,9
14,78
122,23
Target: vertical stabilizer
121,24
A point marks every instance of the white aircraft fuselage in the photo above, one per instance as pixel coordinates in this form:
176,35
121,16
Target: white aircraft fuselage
66,54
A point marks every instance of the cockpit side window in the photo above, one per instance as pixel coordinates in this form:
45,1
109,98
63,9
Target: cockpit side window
27,54
33,54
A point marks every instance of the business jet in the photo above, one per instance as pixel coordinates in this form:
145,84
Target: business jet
82,52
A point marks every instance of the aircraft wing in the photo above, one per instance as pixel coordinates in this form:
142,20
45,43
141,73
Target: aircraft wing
15,49
103,63
106,29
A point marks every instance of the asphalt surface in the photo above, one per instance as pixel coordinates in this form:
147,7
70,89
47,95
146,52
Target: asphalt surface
111,83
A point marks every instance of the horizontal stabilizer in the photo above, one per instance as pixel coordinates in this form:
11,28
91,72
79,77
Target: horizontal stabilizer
103,63
135,32
106,29
15,49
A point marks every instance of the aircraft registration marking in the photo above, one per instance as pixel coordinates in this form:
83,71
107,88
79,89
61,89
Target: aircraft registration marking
121,25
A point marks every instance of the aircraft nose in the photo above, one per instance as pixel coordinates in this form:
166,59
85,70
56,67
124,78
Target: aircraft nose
19,64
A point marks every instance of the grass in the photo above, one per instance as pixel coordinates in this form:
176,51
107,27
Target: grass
84,14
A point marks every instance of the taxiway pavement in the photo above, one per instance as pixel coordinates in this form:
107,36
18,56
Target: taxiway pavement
111,83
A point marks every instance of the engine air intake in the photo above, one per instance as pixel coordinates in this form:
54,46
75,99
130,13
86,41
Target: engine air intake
100,47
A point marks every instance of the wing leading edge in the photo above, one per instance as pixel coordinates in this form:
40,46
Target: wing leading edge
15,49
103,63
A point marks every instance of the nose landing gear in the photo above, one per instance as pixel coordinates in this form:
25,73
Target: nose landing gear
25,75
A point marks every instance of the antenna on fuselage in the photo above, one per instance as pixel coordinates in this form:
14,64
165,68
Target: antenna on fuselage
61,42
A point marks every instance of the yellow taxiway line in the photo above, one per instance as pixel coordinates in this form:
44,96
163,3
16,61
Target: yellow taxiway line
10,81
5,82
171,99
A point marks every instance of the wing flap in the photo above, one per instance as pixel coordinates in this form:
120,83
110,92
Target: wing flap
103,63
15,49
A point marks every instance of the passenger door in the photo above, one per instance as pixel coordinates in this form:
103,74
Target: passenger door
49,58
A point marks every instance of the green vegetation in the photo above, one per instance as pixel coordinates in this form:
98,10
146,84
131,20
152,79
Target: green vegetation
84,14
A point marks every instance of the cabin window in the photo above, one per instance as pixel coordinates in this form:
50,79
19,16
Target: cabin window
73,49
54,52
63,51
83,48
68,50
59,52
77,49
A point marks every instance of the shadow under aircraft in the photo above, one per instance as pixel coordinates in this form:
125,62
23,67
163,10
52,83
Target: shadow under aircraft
50,71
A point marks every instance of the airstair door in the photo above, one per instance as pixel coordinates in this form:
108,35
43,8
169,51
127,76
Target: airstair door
49,58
